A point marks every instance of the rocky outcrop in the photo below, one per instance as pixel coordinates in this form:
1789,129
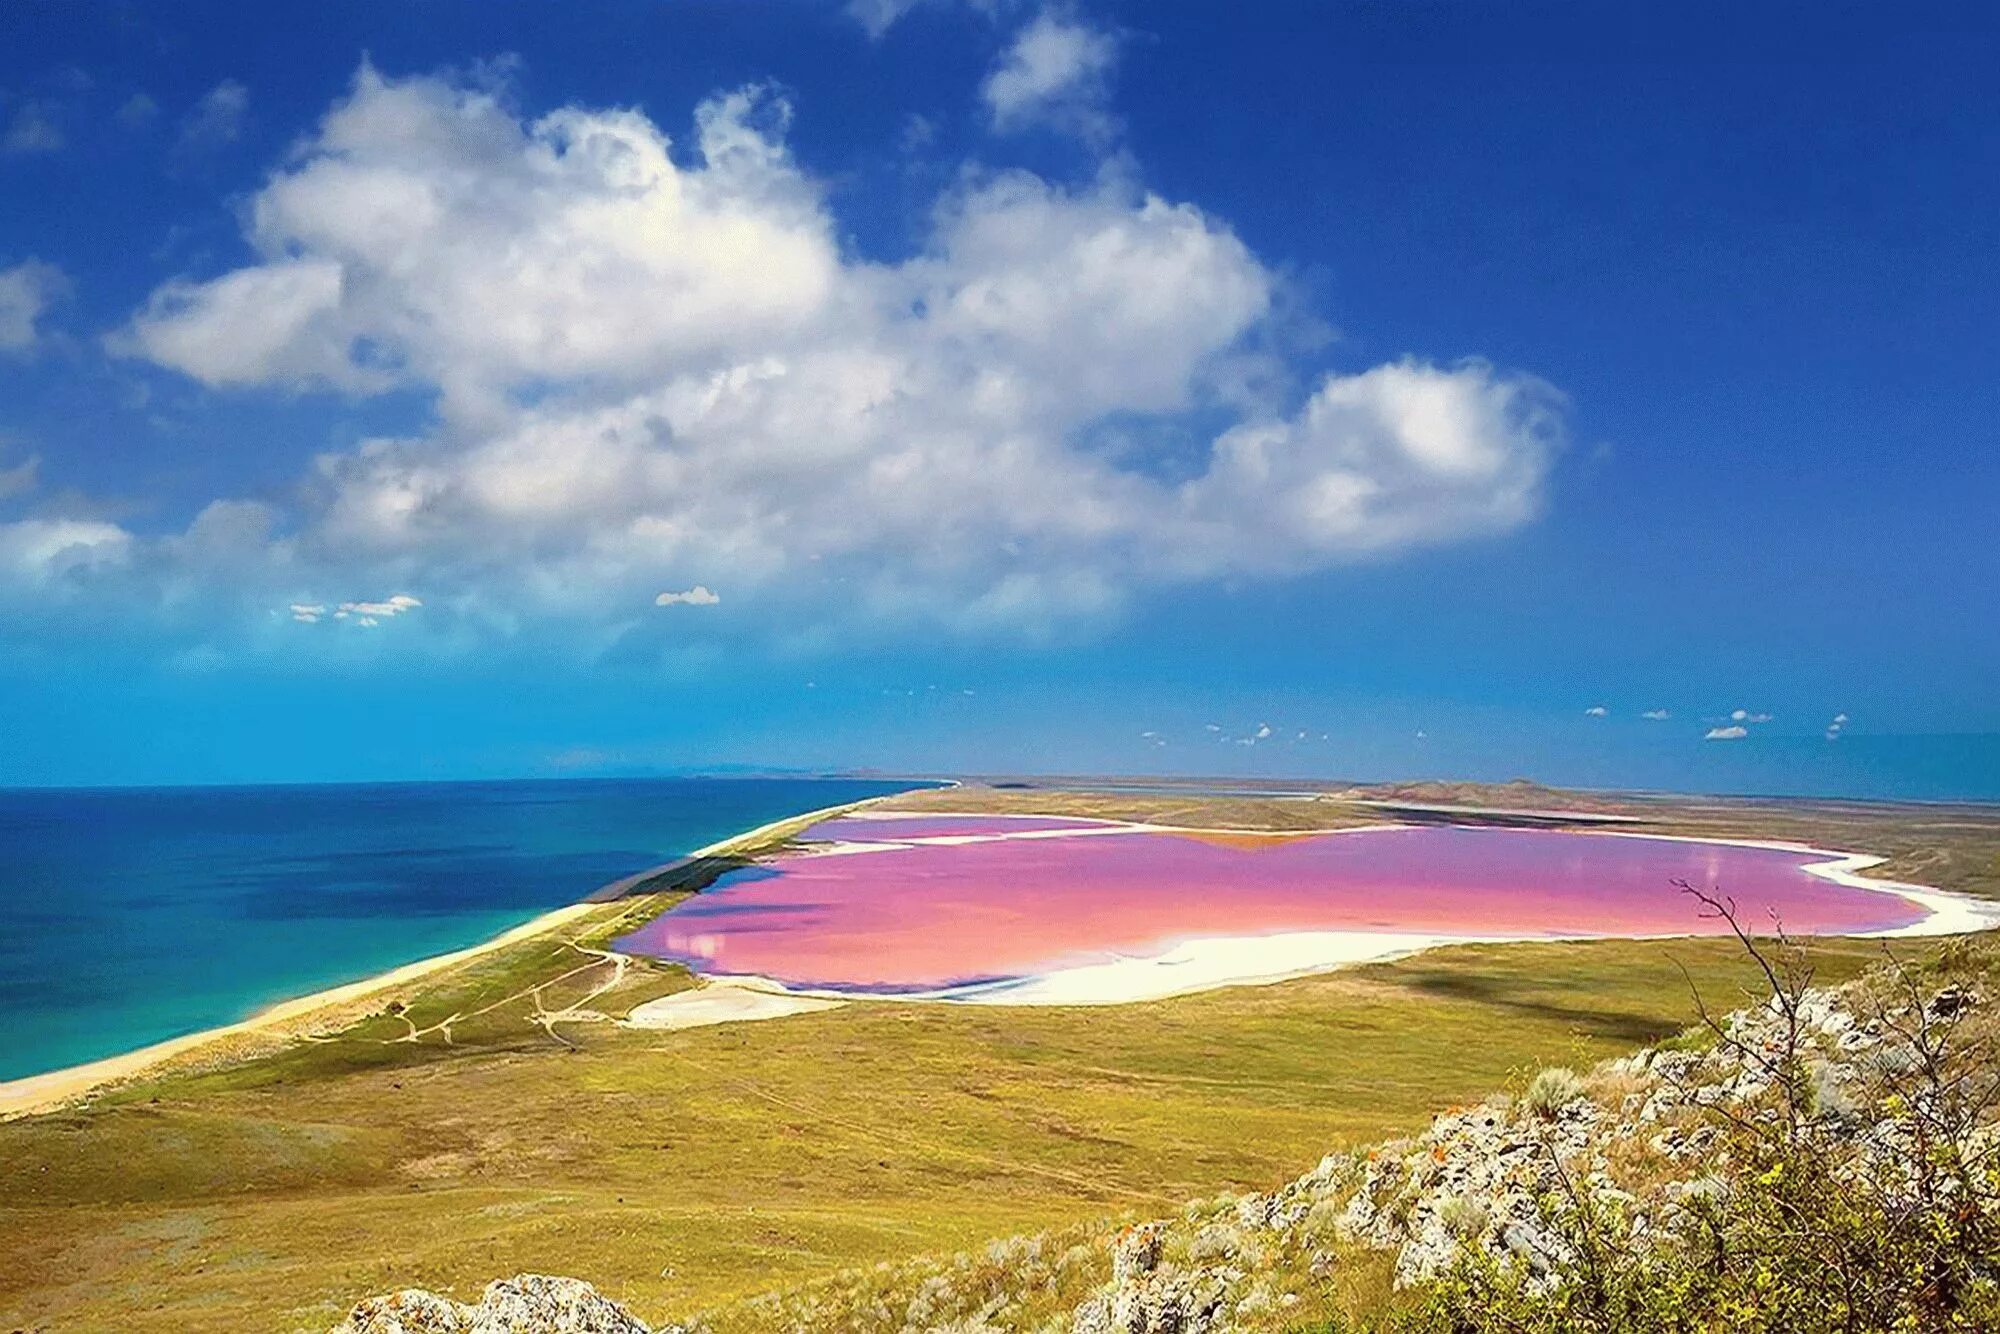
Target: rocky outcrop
525,1304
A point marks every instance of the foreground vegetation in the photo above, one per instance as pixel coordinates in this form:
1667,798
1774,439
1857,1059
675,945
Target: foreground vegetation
490,1121
1824,1162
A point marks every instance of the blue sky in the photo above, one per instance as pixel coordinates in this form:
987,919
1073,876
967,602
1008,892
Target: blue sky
1400,381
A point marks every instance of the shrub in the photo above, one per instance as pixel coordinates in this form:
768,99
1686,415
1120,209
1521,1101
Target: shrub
1551,1091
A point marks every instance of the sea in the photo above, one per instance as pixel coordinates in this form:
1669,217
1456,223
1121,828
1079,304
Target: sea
132,915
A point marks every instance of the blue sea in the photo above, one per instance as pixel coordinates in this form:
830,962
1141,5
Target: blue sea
132,915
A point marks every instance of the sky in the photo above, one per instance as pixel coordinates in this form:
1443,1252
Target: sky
1596,394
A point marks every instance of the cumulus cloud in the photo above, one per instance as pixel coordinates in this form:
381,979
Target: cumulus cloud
1056,72
698,596
27,290
646,354
42,552
216,119
1656,715
1730,733
1836,727
1596,711
1745,716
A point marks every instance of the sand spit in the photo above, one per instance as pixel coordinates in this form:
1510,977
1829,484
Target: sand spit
323,1009
723,1002
37,1093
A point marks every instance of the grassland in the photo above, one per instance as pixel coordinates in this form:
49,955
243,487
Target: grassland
484,1123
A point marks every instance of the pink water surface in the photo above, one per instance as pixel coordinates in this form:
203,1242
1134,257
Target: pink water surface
917,918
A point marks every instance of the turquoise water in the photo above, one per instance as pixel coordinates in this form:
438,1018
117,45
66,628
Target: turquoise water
132,915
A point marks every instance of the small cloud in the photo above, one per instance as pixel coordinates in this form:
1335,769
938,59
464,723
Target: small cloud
138,112
20,479
394,606
878,16
1836,727
1422,735
1745,716
1057,74
361,613
1726,733
216,120
34,129
27,290
1656,715
1211,727
1597,711
1263,731
919,133
698,596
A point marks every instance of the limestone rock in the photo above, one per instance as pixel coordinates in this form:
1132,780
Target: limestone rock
525,1304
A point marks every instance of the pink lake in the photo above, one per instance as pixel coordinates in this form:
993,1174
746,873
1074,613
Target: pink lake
929,917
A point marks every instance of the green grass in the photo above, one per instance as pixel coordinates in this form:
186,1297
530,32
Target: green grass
688,1171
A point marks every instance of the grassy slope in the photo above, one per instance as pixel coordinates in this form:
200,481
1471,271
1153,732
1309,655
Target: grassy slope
686,1171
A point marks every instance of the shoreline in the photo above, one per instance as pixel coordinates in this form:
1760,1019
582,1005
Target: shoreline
1184,967
1208,963
52,1089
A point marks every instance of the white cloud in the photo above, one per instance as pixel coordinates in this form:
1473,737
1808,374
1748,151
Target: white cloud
1836,727
41,551
1656,715
33,128
645,357
698,596
878,16
1263,731
360,612
1745,716
1596,711
216,119
1056,73
1732,733
27,290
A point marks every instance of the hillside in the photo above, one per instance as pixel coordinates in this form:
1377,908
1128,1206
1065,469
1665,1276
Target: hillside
1822,1161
